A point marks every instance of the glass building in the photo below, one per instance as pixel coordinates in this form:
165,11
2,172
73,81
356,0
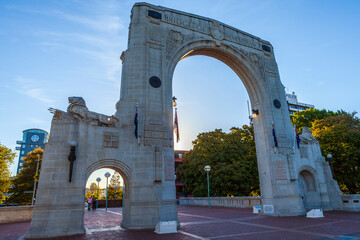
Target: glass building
32,138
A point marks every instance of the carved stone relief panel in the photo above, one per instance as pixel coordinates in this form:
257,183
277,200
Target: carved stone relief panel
155,36
158,165
156,135
216,31
174,40
280,170
169,169
254,58
271,65
111,139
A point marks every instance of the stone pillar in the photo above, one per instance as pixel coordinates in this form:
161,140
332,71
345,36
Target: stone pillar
59,207
152,194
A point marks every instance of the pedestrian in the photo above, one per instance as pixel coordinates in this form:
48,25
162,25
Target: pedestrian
89,202
94,202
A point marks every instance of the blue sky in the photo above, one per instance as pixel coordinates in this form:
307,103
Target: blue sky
54,49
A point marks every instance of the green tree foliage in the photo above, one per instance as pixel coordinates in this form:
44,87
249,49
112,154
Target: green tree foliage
6,159
89,194
93,187
232,158
339,135
24,181
115,179
307,117
111,192
93,191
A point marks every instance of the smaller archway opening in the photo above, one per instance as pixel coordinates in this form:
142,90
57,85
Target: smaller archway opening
309,190
308,181
105,190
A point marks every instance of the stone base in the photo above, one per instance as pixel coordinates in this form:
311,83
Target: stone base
285,214
315,213
166,227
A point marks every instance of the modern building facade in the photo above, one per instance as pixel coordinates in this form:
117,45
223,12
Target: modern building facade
32,138
294,105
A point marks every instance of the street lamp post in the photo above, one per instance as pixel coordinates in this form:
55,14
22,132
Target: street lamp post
329,156
97,201
107,175
115,187
123,195
207,169
37,169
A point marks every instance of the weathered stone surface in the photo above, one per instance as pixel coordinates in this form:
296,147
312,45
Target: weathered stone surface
157,42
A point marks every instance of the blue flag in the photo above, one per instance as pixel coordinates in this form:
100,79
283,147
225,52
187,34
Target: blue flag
274,135
297,138
136,123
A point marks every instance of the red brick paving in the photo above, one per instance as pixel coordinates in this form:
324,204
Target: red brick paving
214,223
13,230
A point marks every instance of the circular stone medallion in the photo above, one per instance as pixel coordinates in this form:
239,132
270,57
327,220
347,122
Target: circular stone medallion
217,33
277,103
155,82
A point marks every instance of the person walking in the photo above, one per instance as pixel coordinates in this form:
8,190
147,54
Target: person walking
89,202
94,202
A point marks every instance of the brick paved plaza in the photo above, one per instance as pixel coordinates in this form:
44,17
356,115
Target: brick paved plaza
214,223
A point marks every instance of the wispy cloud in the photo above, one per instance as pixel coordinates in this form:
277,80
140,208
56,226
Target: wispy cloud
55,38
26,87
102,45
104,50
99,23
39,94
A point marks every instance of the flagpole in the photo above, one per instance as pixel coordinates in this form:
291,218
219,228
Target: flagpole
294,147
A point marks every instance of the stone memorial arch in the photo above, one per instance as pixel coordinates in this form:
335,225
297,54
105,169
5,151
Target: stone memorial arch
158,39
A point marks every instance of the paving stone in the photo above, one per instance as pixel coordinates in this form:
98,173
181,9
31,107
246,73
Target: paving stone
213,223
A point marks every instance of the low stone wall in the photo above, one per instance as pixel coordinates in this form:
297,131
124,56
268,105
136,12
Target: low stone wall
235,202
351,202
15,214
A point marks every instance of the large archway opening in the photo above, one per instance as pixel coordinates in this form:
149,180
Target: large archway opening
210,96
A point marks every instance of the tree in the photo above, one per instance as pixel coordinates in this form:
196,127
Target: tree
307,117
93,187
111,192
24,181
93,191
232,158
89,194
115,179
6,159
339,135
